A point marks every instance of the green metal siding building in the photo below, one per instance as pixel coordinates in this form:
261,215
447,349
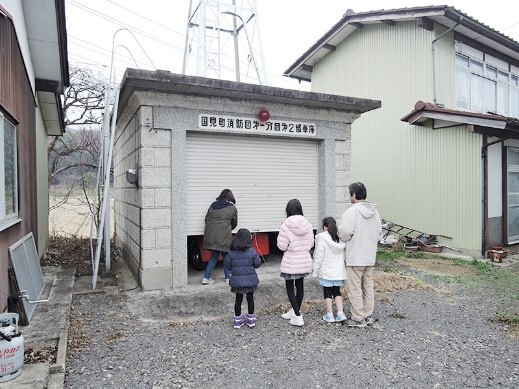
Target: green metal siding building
429,176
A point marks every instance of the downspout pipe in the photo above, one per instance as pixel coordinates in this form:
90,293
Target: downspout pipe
484,170
433,49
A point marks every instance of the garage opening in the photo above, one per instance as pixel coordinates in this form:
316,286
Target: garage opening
262,172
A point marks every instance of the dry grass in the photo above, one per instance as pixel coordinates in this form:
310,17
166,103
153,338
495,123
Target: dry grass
47,354
392,282
73,251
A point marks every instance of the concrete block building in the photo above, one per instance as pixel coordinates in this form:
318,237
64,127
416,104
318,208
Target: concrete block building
187,138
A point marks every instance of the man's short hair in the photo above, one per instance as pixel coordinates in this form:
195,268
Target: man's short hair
359,189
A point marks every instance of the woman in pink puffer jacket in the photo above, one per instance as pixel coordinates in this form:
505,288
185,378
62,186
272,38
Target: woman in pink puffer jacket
295,238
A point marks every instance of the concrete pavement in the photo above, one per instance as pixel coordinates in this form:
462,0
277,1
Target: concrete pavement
48,327
49,324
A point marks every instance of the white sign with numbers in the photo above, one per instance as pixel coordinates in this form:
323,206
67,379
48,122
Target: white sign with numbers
248,125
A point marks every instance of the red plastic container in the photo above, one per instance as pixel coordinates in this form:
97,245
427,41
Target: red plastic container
260,242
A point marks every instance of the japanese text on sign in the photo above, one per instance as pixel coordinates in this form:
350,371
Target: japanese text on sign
248,125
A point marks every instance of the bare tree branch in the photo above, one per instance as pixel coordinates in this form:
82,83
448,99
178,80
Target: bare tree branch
74,157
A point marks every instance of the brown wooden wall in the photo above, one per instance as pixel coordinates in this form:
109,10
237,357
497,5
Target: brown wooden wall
17,101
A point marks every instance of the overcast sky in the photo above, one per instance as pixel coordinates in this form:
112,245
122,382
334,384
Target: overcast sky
287,28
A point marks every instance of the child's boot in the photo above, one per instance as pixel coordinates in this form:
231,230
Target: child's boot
251,320
239,321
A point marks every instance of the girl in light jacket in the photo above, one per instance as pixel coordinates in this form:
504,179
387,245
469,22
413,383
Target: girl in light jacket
295,238
329,266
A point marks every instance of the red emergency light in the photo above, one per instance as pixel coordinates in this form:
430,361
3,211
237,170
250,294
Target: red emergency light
263,115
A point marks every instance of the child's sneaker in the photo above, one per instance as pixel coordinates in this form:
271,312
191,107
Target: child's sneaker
289,314
329,317
297,321
251,320
207,281
239,321
340,317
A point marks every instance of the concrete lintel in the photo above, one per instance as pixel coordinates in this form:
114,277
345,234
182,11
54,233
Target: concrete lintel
166,82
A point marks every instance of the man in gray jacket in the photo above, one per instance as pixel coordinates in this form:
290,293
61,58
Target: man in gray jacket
360,228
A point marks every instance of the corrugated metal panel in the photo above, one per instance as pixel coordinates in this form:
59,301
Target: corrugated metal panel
262,172
17,100
429,180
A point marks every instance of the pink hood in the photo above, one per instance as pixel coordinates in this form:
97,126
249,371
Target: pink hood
296,238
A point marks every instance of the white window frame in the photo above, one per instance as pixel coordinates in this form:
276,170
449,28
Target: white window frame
514,96
489,87
8,217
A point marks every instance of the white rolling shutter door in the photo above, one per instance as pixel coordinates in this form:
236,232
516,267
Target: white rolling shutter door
262,172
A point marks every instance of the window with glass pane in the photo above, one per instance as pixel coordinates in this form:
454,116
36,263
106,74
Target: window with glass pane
514,102
463,89
502,76
476,66
502,99
491,72
8,175
489,96
462,61
482,87
513,195
513,157
477,99
513,213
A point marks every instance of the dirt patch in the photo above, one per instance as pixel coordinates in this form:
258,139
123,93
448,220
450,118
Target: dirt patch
439,266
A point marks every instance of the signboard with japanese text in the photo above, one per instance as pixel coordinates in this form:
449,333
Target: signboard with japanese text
248,125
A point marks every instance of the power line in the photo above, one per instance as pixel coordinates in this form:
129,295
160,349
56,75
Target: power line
146,18
141,32
156,39
108,53
126,25
146,34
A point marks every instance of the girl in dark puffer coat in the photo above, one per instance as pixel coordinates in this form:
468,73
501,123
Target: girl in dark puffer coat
243,261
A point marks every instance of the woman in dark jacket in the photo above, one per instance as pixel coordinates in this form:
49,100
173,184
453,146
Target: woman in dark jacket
220,220
243,261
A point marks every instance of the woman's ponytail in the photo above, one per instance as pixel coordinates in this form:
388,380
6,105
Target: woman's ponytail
331,224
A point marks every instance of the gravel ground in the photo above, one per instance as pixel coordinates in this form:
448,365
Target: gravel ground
428,335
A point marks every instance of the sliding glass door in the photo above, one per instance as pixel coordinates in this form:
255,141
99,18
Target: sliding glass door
513,195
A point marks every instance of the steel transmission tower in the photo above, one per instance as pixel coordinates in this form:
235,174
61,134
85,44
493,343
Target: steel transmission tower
223,41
